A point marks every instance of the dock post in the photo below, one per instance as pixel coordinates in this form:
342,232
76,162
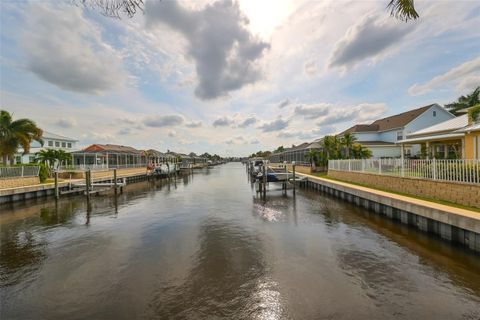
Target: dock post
293,169
57,193
264,177
115,179
87,183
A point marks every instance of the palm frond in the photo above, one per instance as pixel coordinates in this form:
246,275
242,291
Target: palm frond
403,9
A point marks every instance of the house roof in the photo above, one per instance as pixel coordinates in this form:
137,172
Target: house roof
113,148
50,135
396,121
473,127
442,127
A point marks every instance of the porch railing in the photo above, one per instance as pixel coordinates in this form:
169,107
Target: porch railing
19,172
455,170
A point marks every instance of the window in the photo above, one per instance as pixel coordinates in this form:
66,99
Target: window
64,144
399,135
18,159
57,144
434,113
31,159
50,143
69,145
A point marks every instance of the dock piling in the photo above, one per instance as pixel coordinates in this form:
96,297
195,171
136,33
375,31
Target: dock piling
115,179
57,193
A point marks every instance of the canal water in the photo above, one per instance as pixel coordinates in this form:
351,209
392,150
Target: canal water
205,246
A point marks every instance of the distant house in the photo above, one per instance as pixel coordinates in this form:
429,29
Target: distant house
109,155
381,136
51,141
295,153
457,138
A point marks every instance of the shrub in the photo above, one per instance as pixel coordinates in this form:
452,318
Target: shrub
43,173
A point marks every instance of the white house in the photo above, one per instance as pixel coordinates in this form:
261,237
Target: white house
51,141
382,135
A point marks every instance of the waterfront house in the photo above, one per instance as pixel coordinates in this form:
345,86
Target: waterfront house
157,157
51,141
381,136
109,156
457,138
295,153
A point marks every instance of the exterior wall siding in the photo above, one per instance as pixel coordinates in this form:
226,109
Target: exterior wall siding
463,194
472,145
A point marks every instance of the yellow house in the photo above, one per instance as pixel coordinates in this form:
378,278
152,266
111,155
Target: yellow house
457,138
472,141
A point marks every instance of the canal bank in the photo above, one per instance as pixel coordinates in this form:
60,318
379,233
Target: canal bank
449,223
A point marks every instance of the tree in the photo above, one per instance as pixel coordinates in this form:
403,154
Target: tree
114,8
464,102
360,152
402,9
21,132
348,140
279,149
312,157
53,158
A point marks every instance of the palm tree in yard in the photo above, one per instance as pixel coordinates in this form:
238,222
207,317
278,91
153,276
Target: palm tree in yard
360,152
13,134
464,102
312,157
348,140
403,9
53,158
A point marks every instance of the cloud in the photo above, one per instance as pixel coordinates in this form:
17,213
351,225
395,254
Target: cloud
225,53
66,123
275,125
124,131
163,121
370,37
65,49
254,141
466,76
172,133
223,122
308,134
310,68
194,124
312,111
361,113
236,140
284,103
251,120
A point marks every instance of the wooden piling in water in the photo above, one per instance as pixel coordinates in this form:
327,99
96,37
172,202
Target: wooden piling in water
115,179
293,169
87,183
57,192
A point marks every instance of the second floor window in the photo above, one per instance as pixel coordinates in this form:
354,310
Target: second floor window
57,144
399,135
50,143
69,145
64,144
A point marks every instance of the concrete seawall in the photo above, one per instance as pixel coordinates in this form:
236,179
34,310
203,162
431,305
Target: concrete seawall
450,223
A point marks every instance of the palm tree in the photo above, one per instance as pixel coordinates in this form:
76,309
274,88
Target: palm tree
53,158
312,157
21,132
464,102
403,9
360,152
348,140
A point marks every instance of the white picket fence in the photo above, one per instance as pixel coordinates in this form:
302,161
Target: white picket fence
467,171
19,172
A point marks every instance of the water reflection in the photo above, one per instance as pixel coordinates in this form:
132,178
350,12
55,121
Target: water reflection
228,279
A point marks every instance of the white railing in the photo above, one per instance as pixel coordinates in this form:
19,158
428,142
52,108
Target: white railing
467,171
19,172
99,167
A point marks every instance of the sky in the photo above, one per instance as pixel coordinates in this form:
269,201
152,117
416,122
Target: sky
230,77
